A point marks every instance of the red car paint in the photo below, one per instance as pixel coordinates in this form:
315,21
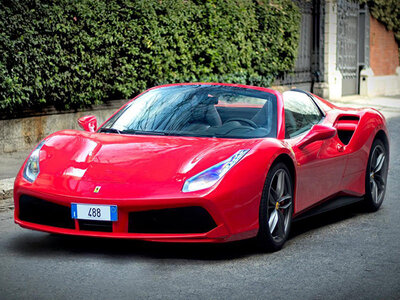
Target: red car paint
139,173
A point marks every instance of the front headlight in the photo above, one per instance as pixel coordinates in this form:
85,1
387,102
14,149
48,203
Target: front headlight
212,175
32,169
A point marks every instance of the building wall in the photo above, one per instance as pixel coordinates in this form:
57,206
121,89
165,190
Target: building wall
384,50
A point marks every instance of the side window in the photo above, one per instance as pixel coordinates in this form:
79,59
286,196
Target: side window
301,113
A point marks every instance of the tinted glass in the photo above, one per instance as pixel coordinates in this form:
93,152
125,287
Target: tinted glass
199,111
301,113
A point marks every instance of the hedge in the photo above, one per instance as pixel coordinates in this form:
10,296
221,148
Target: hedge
75,53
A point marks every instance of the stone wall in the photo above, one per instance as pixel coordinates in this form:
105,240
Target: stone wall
24,133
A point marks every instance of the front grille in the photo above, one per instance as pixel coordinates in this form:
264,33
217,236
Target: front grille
102,226
194,219
35,210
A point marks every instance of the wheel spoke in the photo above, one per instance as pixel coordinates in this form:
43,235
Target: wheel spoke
284,198
379,180
374,191
286,206
272,196
285,202
273,220
379,162
373,157
280,185
281,225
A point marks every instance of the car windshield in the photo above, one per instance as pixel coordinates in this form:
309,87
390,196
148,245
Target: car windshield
198,111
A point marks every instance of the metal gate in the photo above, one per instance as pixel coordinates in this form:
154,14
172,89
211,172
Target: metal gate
310,61
347,45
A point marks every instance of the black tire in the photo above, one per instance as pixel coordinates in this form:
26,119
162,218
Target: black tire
272,237
376,176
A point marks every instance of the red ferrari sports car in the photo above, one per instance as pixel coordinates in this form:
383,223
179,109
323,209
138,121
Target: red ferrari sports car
204,162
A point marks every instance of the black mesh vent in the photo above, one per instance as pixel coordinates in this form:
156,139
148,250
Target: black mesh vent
35,210
193,219
102,226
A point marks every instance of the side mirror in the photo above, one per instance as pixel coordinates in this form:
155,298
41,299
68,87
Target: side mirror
317,133
88,123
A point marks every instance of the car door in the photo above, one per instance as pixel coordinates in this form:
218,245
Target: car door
320,165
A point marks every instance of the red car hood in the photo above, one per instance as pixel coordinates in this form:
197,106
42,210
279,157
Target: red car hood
144,165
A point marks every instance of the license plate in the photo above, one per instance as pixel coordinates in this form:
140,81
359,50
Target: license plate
94,212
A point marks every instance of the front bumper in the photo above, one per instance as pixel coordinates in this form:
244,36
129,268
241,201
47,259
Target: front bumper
53,214
233,209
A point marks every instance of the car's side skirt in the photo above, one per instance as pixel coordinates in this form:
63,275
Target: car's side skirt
329,205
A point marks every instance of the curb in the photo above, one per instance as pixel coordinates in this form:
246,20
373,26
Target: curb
6,194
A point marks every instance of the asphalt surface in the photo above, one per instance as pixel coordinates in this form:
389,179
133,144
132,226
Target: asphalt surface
344,254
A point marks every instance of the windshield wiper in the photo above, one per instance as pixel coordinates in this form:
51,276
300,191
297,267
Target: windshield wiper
110,130
143,132
195,134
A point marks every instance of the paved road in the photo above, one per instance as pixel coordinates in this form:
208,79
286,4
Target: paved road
340,255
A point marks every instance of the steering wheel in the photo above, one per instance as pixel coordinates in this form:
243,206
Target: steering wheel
243,120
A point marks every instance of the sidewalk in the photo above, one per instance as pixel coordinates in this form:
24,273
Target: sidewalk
10,165
12,162
388,105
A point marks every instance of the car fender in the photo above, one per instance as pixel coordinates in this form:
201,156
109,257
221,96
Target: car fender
246,181
371,122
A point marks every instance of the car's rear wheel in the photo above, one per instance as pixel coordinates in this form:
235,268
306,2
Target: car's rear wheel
276,208
376,176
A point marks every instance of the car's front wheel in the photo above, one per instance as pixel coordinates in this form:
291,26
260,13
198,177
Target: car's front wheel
276,208
376,176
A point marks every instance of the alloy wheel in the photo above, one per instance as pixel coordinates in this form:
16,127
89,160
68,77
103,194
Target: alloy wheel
377,174
279,205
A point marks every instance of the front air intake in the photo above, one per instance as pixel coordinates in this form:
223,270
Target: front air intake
192,219
38,211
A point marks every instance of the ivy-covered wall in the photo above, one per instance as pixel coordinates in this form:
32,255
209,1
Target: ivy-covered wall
75,53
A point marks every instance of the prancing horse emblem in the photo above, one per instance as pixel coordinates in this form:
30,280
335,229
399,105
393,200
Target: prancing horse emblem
97,189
